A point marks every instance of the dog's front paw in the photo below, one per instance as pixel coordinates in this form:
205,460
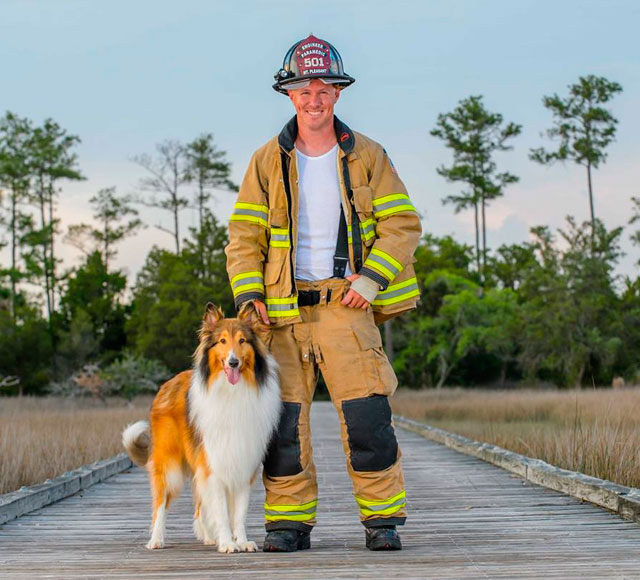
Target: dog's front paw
228,548
155,544
248,546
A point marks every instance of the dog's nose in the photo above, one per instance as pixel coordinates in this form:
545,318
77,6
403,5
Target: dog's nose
233,363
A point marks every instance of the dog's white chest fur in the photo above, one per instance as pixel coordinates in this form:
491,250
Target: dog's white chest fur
235,423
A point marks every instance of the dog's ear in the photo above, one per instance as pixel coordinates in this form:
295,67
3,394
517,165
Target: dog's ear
212,315
249,314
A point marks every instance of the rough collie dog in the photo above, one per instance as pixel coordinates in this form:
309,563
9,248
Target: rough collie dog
211,424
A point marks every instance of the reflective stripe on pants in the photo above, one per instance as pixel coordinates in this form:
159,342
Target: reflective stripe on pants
345,345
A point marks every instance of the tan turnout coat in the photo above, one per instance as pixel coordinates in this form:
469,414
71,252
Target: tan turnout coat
263,229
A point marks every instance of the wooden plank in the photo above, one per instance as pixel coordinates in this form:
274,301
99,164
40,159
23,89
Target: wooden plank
27,499
467,519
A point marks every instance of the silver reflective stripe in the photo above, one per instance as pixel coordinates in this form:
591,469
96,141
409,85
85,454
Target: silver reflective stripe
382,262
377,508
310,510
252,212
281,306
392,203
369,228
245,281
280,237
399,292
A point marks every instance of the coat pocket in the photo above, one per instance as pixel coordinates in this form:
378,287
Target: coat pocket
278,229
278,217
273,269
362,200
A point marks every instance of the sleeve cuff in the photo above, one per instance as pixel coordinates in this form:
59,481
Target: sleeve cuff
366,287
246,297
373,275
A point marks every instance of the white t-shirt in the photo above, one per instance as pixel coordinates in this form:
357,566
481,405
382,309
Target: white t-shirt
318,215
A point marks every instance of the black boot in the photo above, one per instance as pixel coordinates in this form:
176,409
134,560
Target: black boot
286,541
382,538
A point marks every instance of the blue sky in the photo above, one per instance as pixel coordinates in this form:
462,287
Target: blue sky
126,75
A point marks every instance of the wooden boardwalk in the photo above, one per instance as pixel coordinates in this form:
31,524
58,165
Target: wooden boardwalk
467,519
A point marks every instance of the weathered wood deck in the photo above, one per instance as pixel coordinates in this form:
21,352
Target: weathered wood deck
467,519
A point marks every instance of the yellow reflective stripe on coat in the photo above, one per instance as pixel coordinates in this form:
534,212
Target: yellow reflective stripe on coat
279,238
281,307
247,281
250,212
367,230
398,292
390,204
383,507
297,513
383,263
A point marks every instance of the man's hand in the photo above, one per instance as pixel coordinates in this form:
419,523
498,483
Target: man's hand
262,311
352,299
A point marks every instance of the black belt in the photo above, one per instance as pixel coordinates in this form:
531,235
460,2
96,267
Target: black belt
311,297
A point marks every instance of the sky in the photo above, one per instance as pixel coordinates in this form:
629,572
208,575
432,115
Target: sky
125,75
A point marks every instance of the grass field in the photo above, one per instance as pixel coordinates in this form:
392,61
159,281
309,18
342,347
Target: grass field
43,438
596,432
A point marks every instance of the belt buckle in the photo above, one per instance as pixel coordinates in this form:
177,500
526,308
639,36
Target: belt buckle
308,297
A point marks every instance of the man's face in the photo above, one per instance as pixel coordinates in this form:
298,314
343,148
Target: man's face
314,104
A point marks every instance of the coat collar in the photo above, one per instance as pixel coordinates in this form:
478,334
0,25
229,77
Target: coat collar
287,137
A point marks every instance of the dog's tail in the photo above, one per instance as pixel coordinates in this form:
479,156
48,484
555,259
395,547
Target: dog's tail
136,441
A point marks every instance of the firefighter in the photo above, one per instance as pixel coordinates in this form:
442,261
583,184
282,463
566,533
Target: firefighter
321,242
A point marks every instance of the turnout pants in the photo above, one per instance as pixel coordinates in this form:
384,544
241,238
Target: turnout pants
345,345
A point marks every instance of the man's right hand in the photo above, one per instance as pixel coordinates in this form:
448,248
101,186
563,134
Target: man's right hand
262,311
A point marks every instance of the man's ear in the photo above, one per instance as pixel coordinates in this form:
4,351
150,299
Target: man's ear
212,315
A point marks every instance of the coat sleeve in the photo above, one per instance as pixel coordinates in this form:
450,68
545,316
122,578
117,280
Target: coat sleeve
247,247
397,226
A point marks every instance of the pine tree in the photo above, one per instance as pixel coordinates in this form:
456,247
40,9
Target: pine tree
208,169
474,135
110,211
15,178
168,176
51,160
584,127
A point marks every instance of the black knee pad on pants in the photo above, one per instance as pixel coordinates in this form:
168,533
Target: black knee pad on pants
372,440
283,454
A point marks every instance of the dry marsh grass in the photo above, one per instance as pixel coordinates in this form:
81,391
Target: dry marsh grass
595,432
43,438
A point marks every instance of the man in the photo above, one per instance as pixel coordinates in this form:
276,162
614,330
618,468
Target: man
321,241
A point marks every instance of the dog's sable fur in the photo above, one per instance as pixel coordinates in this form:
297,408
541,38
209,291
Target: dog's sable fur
211,424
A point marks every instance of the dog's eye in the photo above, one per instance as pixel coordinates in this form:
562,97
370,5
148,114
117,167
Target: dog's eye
223,340
242,340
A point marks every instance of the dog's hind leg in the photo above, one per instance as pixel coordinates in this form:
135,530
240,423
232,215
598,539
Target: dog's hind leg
240,499
166,484
160,505
200,528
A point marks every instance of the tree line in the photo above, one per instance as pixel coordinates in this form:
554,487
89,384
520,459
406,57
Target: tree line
57,325
550,309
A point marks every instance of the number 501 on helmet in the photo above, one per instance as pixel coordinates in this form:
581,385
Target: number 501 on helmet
311,58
